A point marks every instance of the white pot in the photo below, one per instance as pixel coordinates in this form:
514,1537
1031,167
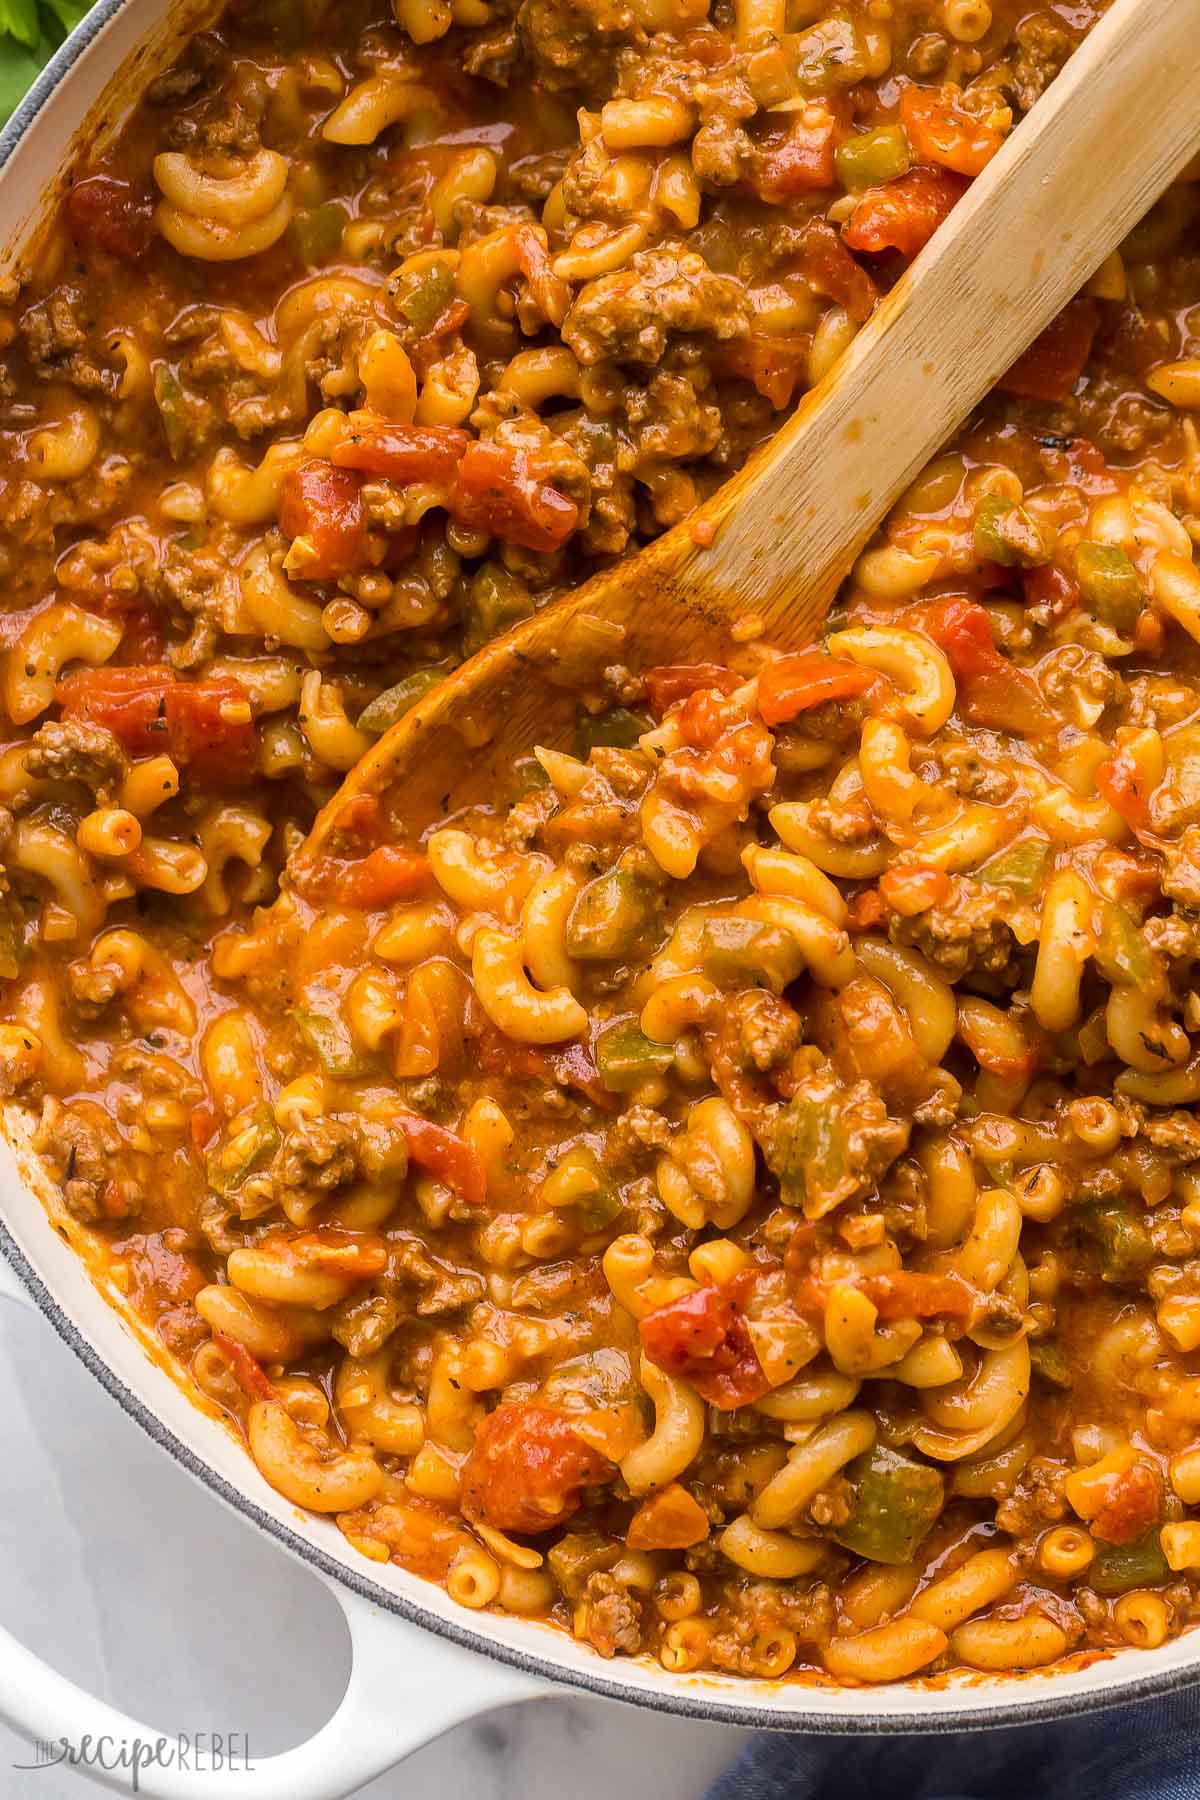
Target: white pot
421,1664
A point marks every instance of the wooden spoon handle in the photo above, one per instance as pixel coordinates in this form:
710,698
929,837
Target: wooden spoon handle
1108,136
1111,132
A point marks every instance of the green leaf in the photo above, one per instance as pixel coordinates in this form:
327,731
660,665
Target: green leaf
18,70
33,34
19,19
68,12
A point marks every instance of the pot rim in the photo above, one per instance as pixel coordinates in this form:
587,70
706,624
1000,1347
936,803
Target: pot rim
1006,1709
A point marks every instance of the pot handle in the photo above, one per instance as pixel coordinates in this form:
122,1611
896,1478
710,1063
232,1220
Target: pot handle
407,1686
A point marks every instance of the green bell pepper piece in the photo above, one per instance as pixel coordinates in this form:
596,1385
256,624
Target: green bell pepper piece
394,702
242,1153
1020,867
808,1151
609,917
496,600
625,1056
1006,534
331,1040
318,232
618,728
1119,1567
895,1503
1109,583
1124,1245
872,157
425,303
1122,954
733,949
1050,1362
171,401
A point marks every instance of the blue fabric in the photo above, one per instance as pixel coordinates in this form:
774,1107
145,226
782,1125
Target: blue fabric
1146,1752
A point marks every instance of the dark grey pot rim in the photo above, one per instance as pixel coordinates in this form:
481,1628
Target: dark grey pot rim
990,1715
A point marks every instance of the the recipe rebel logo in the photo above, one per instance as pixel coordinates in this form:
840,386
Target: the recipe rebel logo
194,1752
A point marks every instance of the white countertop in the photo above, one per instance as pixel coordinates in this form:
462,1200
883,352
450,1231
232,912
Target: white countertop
134,1581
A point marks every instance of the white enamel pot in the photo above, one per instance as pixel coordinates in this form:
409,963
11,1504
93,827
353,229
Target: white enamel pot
421,1664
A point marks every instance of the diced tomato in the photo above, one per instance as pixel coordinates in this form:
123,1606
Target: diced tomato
404,453
702,1336
109,215
792,684
528,1469
1007,699
794,158
993,692
429,348
1050,587
204,724
672,682
866,910
552,293
913,1294
668,1520
141,624
939,132
960,628
914,888
571,1065
324,506
448,1157
904,214
1120,782
773,365
1132,1505
496,492
202,1126
360,1255
829,266
247,1368
1053,363
393,872
983,1047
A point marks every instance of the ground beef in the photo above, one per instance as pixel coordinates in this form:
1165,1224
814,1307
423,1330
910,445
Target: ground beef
56,333
1176,1132
445,1290
494,55
570,43
767,1028
1173,935
87,1155
319,1153
1181,868
669,422
614,1617
1043,46
227,116
970,932
1159,701
833,1142
71,750
846,822
721,152
203,585
1036,1501
640,1131
195,70
628,315
832,1504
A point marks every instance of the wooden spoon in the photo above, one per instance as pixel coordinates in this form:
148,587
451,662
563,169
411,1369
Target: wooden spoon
1115,128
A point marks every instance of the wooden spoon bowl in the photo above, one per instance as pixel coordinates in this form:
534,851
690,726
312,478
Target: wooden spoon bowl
776,541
